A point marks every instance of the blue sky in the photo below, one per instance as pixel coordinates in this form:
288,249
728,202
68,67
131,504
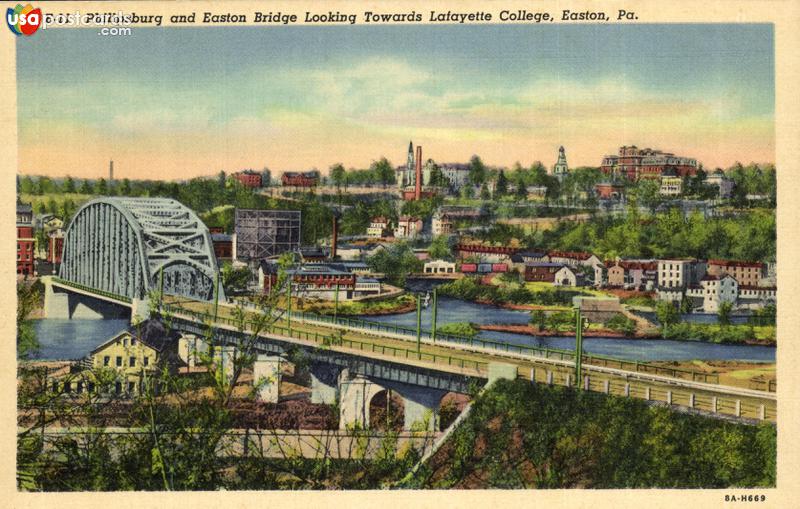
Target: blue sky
190,101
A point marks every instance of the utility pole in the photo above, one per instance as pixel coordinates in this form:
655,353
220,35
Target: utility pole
433,318
578,343
336,304
419,326
289,304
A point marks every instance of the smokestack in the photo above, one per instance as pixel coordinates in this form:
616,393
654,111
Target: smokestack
418,183
111,170
335,237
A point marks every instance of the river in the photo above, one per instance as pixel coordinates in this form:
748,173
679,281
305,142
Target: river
72,339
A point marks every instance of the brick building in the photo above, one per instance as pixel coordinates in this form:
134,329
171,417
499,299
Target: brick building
745,273
248,178
542,271
634,163
25,240
300,179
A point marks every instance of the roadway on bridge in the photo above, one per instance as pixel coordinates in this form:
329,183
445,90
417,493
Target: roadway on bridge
712,398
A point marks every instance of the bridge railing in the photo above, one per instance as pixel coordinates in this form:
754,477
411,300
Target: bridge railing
89,289
547,353
534,351
329,340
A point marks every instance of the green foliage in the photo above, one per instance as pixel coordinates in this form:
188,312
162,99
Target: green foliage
477,171
457,329
234,279
667,315
623,324
383,171
397,262
28,297
470,288
423,208
338,175
724,314
439,248
522,435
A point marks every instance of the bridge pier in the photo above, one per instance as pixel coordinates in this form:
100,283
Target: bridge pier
324,382
420,406
223,358
140,310
56,304
354,396
267,377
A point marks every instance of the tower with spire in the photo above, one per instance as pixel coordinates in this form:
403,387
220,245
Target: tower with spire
561,169
409,178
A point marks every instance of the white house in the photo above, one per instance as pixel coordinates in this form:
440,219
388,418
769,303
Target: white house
439,267
567,277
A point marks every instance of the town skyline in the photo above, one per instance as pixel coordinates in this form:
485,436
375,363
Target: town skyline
355,96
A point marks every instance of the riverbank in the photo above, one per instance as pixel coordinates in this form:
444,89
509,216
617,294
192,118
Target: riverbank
748,375
533,331
389,306
607,333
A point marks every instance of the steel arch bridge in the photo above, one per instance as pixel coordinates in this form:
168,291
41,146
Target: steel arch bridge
124,246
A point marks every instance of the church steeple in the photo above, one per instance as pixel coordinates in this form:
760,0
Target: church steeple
561,169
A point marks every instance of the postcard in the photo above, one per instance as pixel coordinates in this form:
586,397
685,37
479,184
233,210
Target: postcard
449,254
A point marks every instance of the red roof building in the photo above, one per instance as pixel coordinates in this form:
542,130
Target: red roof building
297,179
248,178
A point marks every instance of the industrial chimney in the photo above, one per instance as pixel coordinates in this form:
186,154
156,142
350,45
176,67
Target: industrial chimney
418,179
111,170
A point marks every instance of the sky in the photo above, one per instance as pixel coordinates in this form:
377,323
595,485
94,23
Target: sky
173,103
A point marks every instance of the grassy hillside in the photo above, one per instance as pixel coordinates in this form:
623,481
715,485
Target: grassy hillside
532,436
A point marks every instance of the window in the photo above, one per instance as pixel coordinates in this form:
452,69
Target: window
90,387
132,362
125,342
119,361
131,386
147,361
106,360
79,388
133,341
117,387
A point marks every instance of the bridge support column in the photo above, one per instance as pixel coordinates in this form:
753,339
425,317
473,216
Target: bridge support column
324,382
420,406
140,310
56,304
354,396
267,377
223,358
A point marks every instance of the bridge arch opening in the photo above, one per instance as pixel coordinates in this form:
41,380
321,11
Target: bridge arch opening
386,411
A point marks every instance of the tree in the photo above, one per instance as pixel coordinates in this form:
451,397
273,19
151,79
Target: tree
485,195
724,314
440,248
102,187
338,176
667,315
234,279
86,187
477,171
125,188
397,262
383,171
69,185
266,177
27,300
26,185
501,188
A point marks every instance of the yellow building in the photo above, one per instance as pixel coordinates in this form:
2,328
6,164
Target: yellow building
129,356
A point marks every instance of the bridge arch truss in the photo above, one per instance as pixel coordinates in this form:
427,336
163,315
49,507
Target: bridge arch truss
125,246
